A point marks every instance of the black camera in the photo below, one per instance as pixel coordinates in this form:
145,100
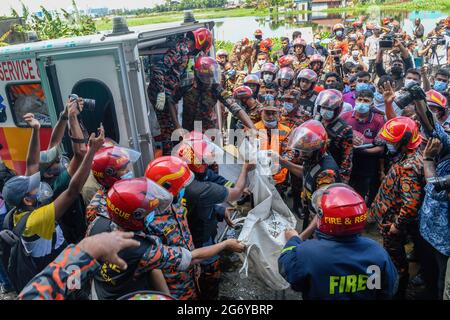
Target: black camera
413,91
388,41
89,104
437,41
440,183
336,52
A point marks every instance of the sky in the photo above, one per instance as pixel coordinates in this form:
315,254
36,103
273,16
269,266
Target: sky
82,4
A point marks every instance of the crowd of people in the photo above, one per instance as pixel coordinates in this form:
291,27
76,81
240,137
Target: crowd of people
360,128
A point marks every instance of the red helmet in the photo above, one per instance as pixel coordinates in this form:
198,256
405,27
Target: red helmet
448,21
109,161
198,151
299,42
131,200
266,45
207,70
245,41
172,173
316,58
286,61
286,73
251,79
258,32
307,74
386,20
221,53
203,39
342,211
357,24
436,99
269,67
242,92
308,137
330,98
402,129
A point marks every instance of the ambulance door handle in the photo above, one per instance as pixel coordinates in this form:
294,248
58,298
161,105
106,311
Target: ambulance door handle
144,137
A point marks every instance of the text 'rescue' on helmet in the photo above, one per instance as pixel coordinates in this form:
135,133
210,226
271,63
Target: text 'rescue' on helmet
110,161
130,201
342,211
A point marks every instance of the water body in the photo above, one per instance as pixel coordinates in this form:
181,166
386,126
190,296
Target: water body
234,29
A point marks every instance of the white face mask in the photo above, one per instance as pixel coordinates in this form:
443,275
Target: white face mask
261,62
408,81
267,78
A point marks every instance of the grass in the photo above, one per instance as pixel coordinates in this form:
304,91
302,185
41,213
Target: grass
173,16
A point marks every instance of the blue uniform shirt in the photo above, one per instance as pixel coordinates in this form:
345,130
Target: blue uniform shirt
338,268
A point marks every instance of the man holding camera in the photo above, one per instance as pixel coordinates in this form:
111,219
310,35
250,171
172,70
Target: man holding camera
434,214
437,49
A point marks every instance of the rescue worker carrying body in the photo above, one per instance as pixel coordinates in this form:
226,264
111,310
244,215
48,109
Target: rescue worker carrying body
268,75
273,136
165,80
305,82
401,192
199,100
204,197
130,203
339,264
340,134
307,158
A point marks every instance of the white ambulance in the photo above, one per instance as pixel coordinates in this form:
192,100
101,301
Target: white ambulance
38,77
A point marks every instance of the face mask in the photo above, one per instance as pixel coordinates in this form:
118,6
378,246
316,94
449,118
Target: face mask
261,62
408,81
327,114
317,42
362,107
288,106
339,33
333,85
230,73
397,71
439,86
379,96
267,78
128,175
355,54
391,148
149,219
270,124
362,86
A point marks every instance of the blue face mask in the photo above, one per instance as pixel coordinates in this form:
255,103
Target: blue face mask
339,33
362,86
362,107
288,106
128,175
271,124
440,86
231,73
317,43
391,148
327,114
379,96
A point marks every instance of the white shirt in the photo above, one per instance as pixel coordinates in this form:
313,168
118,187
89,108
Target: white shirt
372,43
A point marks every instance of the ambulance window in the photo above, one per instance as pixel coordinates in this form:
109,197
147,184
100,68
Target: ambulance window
25,98
104,111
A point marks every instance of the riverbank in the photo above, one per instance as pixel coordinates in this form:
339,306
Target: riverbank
164,17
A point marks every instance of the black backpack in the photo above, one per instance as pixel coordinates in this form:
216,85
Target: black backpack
16,261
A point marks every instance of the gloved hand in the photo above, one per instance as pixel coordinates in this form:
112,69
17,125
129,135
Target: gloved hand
160,101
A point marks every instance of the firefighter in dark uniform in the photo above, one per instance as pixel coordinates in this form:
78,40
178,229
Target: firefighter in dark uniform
244,96
165,78
285,78
305,82
340,134
308,146
401,193
339,264
200,99
268,83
